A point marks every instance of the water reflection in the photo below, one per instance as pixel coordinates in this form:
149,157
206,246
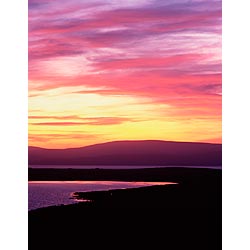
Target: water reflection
51,193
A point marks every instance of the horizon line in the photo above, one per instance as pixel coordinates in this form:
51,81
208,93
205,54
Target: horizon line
197,142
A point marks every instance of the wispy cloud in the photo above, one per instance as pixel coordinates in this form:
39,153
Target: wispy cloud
74,117
57,123
168,52
84,121
53,137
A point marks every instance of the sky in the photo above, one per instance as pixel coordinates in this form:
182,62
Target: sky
124,70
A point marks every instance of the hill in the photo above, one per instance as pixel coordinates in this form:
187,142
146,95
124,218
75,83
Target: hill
151,152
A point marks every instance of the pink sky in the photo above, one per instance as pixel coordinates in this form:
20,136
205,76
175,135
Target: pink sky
112,70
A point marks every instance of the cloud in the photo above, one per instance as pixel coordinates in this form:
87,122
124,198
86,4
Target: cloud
84,121
56,137
57,123
119,27
74,117
108,120
167,53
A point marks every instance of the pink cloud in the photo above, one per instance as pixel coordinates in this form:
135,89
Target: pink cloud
55,137
166,52
149,62
55,117
85,121
57,123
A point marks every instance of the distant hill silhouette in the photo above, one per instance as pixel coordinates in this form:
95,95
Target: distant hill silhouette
149,152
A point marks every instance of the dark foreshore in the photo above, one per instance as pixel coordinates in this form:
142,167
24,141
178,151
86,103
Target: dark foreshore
186,215
171,174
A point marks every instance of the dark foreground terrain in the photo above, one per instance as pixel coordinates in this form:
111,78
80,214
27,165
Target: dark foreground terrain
182,216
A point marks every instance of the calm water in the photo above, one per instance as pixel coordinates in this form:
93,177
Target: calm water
115,167
51,193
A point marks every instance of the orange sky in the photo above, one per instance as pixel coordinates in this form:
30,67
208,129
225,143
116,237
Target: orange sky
136,70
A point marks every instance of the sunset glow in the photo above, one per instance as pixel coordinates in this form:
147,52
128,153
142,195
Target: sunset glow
124,70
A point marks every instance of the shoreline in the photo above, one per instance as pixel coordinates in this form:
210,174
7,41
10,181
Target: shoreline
183,216
53,193
169,174
124,167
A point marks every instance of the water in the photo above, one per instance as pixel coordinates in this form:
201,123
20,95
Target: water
115,167
52,193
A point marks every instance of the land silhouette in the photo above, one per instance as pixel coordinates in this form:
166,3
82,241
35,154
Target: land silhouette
185,215
150,152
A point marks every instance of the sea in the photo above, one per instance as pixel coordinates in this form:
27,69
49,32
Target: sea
53,193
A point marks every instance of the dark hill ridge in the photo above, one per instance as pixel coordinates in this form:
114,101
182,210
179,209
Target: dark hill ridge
150,152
